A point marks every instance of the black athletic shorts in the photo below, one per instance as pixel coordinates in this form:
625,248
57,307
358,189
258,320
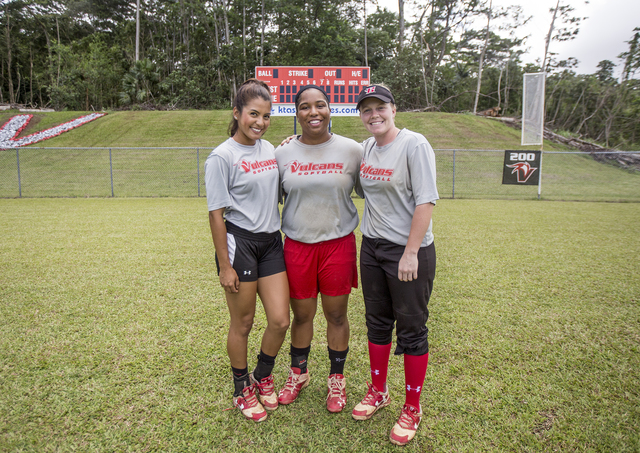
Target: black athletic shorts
389,301
253,255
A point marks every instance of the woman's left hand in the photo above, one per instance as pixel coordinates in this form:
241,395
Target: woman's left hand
408,267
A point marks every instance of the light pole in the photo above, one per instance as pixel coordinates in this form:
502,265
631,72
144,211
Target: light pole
137,30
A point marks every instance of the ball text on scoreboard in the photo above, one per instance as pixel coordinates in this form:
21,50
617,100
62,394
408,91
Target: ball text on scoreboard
341,83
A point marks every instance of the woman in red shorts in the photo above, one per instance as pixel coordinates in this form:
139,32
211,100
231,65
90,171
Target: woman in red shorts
318,171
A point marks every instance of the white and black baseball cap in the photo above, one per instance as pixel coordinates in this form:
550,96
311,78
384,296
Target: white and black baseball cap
375,91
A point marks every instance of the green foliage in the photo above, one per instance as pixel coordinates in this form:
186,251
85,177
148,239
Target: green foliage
403,75
594,106
192,87
632,56
605,72
313,33
91,81
382,31
80,55
139,83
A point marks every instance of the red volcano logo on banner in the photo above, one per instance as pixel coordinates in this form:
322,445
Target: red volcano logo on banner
523,169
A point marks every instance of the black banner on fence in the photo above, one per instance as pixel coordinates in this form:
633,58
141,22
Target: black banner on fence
521,167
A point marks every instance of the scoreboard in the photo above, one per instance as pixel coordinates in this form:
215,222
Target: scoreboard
341,83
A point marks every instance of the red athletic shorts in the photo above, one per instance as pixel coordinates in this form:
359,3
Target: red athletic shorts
327,267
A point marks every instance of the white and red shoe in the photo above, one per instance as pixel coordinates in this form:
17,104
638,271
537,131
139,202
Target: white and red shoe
336,393
373,400
407,425
266,392
249,405
295,382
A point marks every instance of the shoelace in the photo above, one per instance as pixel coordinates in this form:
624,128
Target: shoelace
266,387
372,396
336,385
292,380
251,399
408,418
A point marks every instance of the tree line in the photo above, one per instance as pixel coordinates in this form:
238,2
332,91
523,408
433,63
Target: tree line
449,56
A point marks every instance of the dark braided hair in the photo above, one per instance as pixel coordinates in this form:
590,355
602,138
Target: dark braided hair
296,100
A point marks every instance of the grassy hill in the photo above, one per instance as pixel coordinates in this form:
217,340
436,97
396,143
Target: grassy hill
209,128
177,172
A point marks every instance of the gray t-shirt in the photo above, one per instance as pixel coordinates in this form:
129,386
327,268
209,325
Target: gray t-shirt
394,179
317,181
244,180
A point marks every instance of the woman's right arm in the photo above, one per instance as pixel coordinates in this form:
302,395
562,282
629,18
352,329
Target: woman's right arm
228,277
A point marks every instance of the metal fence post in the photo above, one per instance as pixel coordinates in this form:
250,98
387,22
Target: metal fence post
198,160
111,171
19,182
453,190
540,175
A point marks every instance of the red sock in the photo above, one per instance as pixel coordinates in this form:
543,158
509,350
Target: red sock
415,369
379,362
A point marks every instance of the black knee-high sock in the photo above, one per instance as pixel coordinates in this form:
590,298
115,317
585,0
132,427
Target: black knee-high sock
299,357
337,358
264,367
240,380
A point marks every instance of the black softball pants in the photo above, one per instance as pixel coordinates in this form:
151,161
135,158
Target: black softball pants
389,301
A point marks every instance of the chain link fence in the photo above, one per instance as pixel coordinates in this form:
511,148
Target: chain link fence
179,172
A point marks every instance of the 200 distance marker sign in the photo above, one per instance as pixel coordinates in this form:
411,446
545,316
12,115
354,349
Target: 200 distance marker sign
341,83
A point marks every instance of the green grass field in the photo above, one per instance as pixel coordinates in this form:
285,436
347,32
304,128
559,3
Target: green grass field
112,334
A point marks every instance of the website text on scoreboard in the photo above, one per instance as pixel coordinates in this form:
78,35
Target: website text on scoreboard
341,83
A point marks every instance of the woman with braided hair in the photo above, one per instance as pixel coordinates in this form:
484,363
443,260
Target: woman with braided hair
318,171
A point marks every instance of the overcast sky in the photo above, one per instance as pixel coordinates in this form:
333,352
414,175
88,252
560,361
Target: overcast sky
602,35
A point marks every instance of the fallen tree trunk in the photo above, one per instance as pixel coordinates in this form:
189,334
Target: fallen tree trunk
629,161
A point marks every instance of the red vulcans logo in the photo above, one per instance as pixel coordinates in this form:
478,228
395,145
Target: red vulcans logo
257,166
309,168
523,169
377,174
